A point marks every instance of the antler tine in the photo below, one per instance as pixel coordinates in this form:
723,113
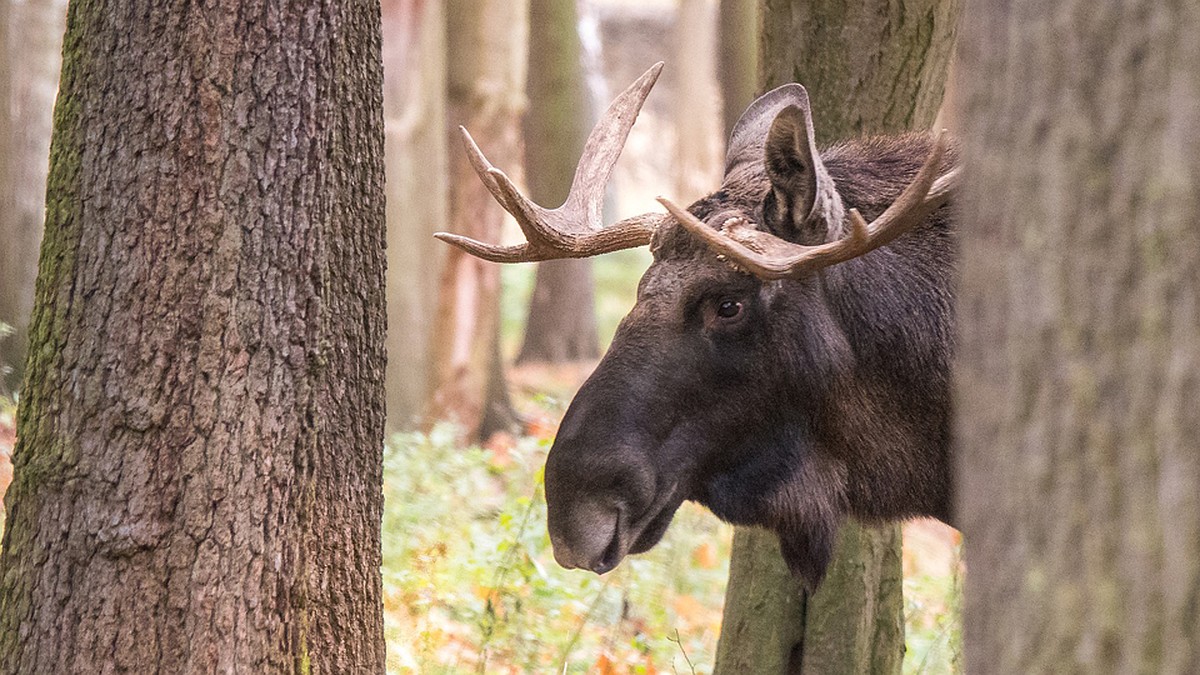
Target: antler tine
769,257
604,145
529,216
913,204
489,252
575,229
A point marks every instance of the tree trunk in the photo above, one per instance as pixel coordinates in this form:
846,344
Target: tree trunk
880,65
1079,366
486,74
870,68
197,480
8,284
34,42
737,58
696,105
414,103
562,312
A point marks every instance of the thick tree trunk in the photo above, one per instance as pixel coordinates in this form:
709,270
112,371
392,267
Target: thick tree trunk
486,75
875,67
1079,366
562,313
414,102
198,471
34,41
881,65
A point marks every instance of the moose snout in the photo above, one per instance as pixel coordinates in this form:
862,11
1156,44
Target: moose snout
589,495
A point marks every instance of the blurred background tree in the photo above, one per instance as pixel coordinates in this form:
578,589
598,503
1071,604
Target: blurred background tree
1079,364
695,102
30,43
562,313
414,102
486,51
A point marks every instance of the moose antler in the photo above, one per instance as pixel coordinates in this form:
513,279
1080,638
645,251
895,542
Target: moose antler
769,257
575,229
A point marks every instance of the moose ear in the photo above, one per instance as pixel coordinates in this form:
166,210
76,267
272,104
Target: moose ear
777,129
806,205
749,135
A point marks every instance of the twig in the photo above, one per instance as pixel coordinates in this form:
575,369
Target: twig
683,651
562,662
497,580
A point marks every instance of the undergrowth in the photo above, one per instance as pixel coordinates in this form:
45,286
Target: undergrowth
470,584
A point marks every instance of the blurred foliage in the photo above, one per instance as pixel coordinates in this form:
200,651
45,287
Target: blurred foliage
470,583
8,432
933,579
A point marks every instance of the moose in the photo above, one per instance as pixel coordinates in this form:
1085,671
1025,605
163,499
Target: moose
787,362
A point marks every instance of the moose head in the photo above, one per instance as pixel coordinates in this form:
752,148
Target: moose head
786,363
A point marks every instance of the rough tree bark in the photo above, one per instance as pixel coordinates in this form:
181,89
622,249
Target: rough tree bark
1079,365
562,312
198,471
486,74
34,34
870,68
414,103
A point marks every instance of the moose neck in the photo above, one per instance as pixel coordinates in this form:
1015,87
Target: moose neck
888,410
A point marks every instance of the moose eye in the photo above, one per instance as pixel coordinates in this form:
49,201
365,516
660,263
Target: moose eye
729,309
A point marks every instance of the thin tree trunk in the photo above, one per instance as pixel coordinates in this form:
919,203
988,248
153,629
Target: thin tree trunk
562,313
486,75
696,103
737,58
8,284
198,471
35,29
870,68
414,100
1079,367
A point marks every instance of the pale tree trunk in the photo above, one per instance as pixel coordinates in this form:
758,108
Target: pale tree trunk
875,67
1079,366
486,74
414,102
197,480
737,58
34,41
562,313
696,113
8,284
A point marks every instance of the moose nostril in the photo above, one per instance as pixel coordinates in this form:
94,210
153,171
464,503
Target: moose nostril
611,556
